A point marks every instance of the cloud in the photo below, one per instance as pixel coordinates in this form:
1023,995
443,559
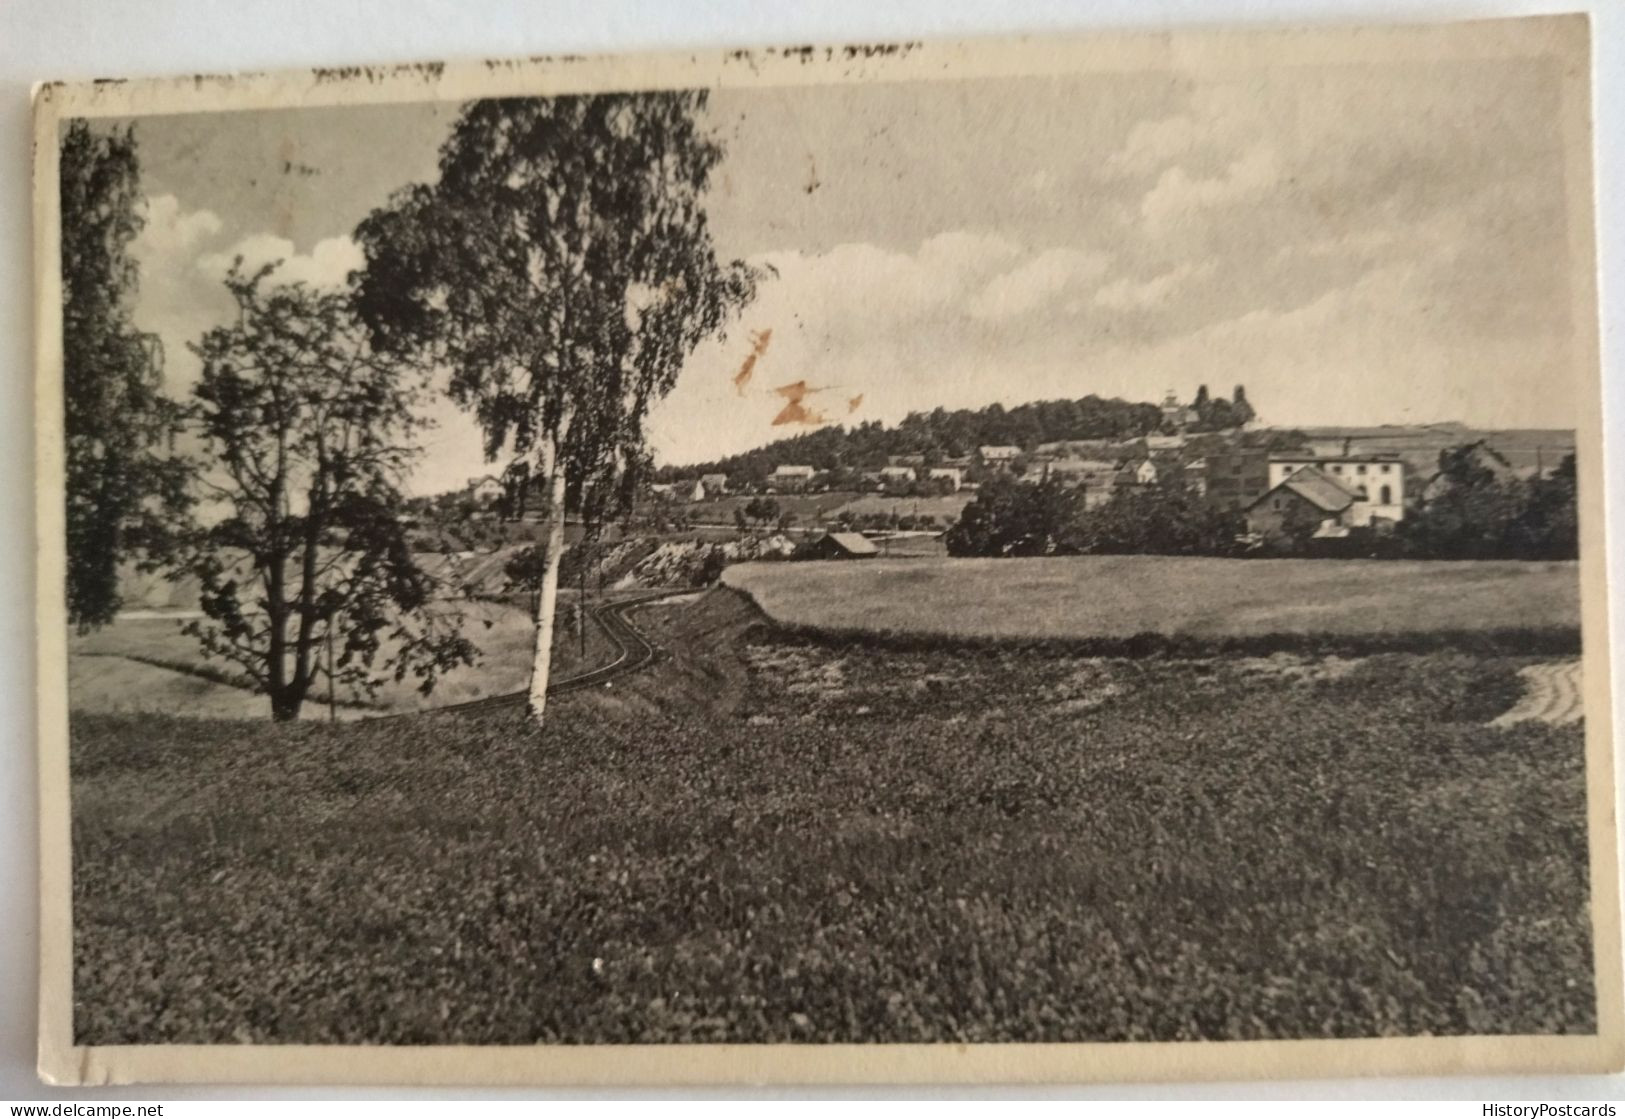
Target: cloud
1126,295
1178,197
1153,144
327,265
1037,283
170,232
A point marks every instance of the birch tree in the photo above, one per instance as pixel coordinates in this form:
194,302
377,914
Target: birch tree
559,271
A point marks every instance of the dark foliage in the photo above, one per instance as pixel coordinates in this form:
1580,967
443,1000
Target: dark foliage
937,435
562,267
1010,517
1476,513
125,487
305,433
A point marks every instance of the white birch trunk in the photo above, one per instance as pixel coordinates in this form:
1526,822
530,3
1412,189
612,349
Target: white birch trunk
547,610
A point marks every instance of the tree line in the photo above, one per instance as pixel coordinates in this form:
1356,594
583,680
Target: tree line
937,435
1473,512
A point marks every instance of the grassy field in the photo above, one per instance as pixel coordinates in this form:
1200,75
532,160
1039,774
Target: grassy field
147,664
1083,598
956,845
945,508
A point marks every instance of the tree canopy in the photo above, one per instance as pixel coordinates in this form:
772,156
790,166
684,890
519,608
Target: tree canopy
124,487
305,434
560,270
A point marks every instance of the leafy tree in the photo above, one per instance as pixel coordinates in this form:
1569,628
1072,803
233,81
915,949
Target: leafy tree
1241,411
124,487
1473,511
762,510
562,268
304,434
1010,517
524,572
1549,526
1168,517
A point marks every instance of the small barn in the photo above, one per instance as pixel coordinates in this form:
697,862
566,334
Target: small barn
485,491
1308,496
839,545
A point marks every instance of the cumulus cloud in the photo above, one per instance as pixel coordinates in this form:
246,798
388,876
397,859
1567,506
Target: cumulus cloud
1153,144
1127,295
1037,283
170,231
1178,196
327,265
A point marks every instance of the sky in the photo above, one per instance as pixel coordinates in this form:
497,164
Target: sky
1356,244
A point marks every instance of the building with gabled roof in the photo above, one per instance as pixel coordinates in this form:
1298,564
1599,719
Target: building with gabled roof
1309,494
1376,480
839,545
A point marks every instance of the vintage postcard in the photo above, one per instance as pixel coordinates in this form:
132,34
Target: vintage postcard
1052,559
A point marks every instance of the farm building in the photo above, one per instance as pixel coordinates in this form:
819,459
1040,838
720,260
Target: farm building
839,545
1307,497
998,456
1237,478
896,473
485,491
1141,473
791,477
1480,455
1376,481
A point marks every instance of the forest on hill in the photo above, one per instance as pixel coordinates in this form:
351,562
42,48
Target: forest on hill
946,434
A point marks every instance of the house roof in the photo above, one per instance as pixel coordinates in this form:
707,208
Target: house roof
998,451
853,543
784,469
1319,489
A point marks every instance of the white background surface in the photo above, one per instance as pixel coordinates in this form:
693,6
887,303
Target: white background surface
77,39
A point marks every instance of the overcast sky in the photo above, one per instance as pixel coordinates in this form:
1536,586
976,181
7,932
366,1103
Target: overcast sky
1354,244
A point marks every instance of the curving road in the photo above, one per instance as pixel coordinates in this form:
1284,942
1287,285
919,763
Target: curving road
633,652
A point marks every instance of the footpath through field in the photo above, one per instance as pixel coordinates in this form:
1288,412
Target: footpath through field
1552,695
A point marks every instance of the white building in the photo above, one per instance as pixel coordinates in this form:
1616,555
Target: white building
791,477
485,491
896,473
998,455
1377,481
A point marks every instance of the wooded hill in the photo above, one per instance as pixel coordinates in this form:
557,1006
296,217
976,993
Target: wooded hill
943,434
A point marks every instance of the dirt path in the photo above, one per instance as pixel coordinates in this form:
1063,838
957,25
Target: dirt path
1552,695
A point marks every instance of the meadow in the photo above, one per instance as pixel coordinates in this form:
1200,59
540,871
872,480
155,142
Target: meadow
1202,599
763,838
145,663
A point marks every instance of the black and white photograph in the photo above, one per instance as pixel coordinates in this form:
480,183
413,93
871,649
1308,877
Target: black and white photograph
942,546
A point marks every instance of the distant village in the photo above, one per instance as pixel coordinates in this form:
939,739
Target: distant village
1335,480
